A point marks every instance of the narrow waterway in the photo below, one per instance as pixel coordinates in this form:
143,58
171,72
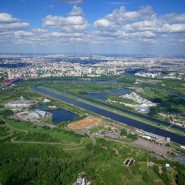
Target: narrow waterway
167,91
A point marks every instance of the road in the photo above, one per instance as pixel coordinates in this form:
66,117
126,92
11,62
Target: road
72,146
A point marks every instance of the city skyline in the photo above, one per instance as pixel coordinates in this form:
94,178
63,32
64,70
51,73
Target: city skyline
93,27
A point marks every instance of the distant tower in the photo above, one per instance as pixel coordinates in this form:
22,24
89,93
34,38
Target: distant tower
9,74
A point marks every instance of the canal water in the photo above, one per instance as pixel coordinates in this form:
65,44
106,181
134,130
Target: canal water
122,119
159,122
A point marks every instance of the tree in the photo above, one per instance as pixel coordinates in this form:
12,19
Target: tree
146,177
132,136
181,178
123,132
2,121
89,146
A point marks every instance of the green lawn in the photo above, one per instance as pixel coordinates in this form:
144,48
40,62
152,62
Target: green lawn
58,133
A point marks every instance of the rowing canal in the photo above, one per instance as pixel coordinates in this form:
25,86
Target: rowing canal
122,119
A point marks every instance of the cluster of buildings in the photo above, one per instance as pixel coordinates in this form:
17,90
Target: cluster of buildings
174,119
81,180
138,99
57,69
147,75
21,108
31,116
107,130
20,104
39,68
143,105
59,65
175,75
153,137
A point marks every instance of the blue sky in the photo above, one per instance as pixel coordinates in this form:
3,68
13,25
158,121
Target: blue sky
93,26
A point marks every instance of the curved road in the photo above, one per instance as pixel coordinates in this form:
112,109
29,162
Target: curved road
74,146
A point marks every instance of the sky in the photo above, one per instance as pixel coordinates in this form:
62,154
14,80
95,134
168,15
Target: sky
155,27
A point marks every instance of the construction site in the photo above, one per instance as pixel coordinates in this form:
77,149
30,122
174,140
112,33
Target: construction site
85,123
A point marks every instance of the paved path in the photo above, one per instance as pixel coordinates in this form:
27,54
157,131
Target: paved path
13,140
116,151
16,128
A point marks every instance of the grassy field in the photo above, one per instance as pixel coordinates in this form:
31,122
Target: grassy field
57,156
78,87
168,103
111,170
58,134
173,85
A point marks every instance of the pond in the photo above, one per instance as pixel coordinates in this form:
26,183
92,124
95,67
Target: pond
58,115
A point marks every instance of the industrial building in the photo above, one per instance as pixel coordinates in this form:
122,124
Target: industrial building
153,137
143,108
36,114
20,103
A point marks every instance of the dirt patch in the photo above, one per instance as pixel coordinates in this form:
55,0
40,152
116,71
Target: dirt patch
158,182
109,126
88,122
150,163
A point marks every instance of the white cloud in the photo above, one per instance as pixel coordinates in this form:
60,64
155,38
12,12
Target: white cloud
72,1
146,40
59,34
144,34
76,11
75,22
70,29
120,27
103,23
39,30
69,24
23,34
16,25
7,22
173,28
155,26
7,18
142,25
146,25
173,17
121,16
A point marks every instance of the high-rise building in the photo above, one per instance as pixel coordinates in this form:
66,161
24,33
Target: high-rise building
9,74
